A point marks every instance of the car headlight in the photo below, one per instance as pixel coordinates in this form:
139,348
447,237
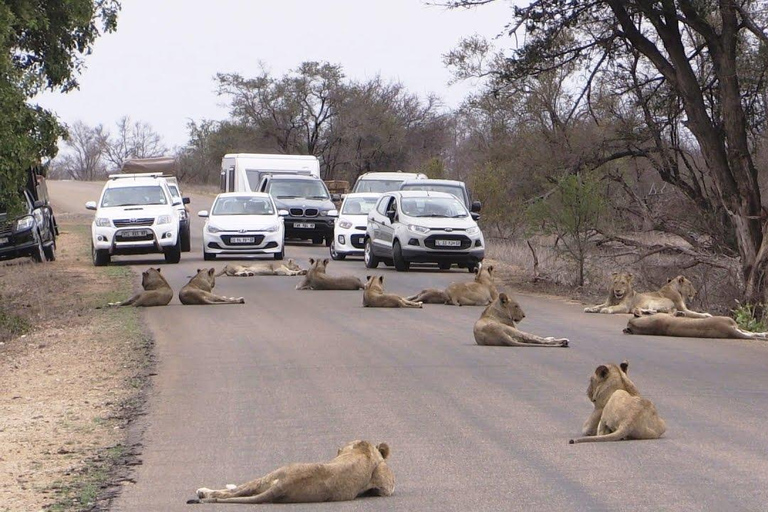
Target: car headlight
330,213
212,229
345,224
163,219
418,229
473,230
103,222
25,223
272,229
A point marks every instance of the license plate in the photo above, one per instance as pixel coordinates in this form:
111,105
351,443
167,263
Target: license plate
242,240
304,225
3,241
133,233
448,243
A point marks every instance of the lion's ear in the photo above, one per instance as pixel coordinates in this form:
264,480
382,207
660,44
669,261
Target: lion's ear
367,278
198,270
158,269
503,298
631,277
326,261
602,371
490,268
381,279
211,271
624,366
680,279
477,270
383,449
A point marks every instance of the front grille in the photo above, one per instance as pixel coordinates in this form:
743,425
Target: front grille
357,241
311,212
124,223
5,229
257,239
465,242
297,212
301,212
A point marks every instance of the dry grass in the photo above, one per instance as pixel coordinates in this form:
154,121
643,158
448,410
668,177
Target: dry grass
199,189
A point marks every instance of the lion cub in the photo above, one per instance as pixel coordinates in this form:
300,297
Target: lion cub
198,290
374,296
287,268
620,412
497,326
480,292
157,291
358,468
317,279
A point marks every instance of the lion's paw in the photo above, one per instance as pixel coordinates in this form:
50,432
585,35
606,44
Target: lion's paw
203,492
591,310
564,342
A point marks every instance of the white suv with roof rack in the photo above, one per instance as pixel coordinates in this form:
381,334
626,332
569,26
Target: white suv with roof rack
136,214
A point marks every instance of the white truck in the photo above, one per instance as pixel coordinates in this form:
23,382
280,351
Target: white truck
243,172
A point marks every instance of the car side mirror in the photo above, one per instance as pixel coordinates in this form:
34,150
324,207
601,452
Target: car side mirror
202,213
38,204
475,216
90,205
176,202
185,200
391,214
335,197
282,213
476,206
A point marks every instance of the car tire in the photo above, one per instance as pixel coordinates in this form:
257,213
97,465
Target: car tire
337,256
173,255
186,240
371,260
39,252
50,251
328,241
207,256
101,257
397,256
444,265
471,266
317,240
280,255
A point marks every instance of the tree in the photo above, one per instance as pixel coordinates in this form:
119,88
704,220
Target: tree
84,158
132,140
42,47
705,58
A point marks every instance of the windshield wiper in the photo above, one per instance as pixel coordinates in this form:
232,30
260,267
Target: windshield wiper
458,216
317,197
288,197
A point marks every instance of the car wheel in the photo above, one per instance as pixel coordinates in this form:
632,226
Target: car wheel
317,240
280,255
173,255
397,255
186,240
50,251
444,266
371,260
100,257
328,241
471,266
207,256
336,255
39,252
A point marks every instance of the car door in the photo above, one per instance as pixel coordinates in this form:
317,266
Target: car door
376,226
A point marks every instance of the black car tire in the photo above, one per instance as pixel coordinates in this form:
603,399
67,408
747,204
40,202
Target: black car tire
336,256
471,266
39,252
186,240
100,257
280,255
444,265
317,240
371,260
173,254
401,265
50,251
207,256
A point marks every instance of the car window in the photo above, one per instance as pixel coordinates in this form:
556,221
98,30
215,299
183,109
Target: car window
448,189
382,204
288,189
134,196
242,205
448,207
377,186
174,191
358,205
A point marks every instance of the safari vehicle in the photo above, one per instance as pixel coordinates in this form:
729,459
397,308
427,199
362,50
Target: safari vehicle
422,227
243,172
33,232
455,187
136,214
380,182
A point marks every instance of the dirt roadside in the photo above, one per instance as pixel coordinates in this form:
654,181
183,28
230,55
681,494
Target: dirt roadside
71,378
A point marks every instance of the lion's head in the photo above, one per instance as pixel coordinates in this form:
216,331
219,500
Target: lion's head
292,265
151,279
318,266
484,274
607,379
374,283
376,453
621,285
505,309
683,286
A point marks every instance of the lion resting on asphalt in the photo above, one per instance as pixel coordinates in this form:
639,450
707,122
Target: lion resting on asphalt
359,468
670,298
620,412
317,279
286,268
497,326
479,292
374,296
157,291
198,290
669,325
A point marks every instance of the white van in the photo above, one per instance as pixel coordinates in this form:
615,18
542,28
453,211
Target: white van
243,172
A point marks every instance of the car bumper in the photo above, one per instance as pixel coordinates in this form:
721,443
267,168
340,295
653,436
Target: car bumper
350,242
475,255
319,227
263,243
116,241
16,245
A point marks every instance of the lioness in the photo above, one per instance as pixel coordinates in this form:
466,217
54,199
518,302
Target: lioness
670,298
497,326
198,290
620,412
358,468
318,279
285,268
479,292
668,325
374,296
157,291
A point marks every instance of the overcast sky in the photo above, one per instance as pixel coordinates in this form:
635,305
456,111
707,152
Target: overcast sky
159,65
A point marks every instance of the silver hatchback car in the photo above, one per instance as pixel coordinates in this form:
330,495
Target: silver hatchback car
422,227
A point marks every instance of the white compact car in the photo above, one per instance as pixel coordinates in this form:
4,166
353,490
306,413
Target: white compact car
136,214
349,230
243,223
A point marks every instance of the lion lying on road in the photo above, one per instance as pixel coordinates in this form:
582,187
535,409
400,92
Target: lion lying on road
358,468
198,290
497,326
668,325
479,292
157,291
374,296
620,412
670,298
286,268
317,279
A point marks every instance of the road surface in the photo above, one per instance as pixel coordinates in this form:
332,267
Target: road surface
293,375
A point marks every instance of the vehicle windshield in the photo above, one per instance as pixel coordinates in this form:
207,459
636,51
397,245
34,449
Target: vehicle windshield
134,196
242,205
289,189
448,189
446,207
358,205
377,186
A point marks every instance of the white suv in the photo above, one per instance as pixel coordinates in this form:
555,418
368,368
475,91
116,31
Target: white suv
380,182
136,214
424,227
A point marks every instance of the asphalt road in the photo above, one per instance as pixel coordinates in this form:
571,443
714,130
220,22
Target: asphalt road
292,375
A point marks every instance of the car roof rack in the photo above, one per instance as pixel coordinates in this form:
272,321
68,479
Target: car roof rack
140,175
